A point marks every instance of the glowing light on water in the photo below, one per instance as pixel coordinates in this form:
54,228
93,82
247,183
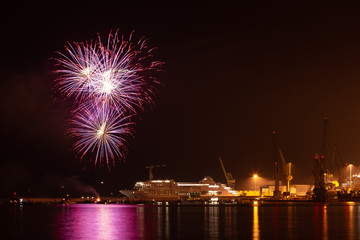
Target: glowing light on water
256,227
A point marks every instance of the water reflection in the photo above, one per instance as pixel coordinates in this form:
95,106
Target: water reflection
349,220
228,213
276,222
163,222
321,221
159,219
18,223
290,221
96,222
325,222
167,223
256,230
140,220
211,220
104,228
316,222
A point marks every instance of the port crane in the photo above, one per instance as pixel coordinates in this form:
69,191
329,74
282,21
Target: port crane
151,175
277,193
229,178
287,170
319,168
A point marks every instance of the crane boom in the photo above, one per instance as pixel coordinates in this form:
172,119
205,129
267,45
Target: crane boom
223,168
286,169
229,178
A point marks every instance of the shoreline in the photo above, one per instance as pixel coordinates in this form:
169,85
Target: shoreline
167,202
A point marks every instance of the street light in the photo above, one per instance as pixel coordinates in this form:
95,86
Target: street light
350,179
255,176
101,182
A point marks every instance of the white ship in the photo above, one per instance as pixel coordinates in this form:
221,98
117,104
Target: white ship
169,190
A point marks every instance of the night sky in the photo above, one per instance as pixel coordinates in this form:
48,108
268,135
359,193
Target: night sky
232,75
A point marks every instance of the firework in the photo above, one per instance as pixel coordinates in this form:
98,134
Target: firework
108,83
101,132
77,70
118,73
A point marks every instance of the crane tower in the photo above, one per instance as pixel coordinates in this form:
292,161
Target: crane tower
277,193
319,168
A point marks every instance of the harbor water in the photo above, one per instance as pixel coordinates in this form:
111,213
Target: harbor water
120,221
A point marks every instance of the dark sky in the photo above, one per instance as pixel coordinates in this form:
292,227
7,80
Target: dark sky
233,74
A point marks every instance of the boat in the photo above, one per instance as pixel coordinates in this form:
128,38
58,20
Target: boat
170,190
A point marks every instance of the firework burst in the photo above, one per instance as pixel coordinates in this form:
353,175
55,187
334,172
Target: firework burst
118,73
101,132
77,70
108,83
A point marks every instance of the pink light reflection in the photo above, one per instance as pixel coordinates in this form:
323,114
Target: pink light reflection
94,221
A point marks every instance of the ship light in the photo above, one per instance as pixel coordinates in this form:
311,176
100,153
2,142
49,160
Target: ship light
191,184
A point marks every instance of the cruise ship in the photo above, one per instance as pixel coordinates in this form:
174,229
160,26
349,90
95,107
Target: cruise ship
169,190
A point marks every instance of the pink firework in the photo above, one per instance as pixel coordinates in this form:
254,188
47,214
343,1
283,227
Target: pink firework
77,70
118,73
102,133
108,84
